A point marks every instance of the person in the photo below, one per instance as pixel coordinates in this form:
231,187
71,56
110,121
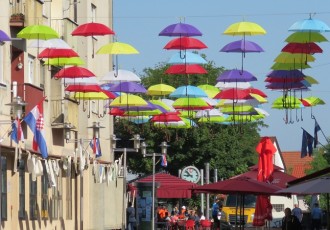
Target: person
162,213
289,221
316,217
296,211
131,221
215,212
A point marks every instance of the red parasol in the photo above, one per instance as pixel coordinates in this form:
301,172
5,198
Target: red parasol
306,48
266,150
166,117
184,43
233,94
83,88
57,53
186,69
74,72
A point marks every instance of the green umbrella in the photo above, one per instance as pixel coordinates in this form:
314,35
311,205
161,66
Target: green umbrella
75,61
285,57
287,102
303,37
41,32
289,66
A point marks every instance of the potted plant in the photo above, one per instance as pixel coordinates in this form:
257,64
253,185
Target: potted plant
18,17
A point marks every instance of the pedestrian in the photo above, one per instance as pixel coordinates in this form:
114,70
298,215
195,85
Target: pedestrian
289,221
131,221
296,211
215,212
316,217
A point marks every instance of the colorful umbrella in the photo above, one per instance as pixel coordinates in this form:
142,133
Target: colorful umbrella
120,75
166,117
57,53
244,28
312,101
285,57
188,91
83,88
236,76
42,32
165,106
4,37
190,58
128,87
160,90
230,85
186,69
184,43
287,85
180,29
233,94
128,100
303,37
307,48
117,48
210,90
310,25
213,119
241,46
287,102
191,104
50,43
289,66
74,72
75,61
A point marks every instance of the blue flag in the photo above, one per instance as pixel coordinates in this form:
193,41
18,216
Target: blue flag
307,144
316,129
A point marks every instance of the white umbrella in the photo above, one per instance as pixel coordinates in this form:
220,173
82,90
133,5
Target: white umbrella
120,76
82,81
51,43
208,113
230,85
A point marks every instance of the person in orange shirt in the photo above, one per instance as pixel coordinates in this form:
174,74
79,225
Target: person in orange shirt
162,213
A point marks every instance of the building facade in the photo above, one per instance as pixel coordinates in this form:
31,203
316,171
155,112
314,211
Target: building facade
71,189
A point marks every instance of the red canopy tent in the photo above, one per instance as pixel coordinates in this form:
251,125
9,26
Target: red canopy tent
170,186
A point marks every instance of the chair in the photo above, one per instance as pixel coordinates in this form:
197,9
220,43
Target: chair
206,224
190,225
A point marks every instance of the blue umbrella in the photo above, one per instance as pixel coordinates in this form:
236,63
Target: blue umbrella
188,91
310,25
190,58
235,75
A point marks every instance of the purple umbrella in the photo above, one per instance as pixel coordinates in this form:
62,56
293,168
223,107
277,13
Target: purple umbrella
128,87
180,29
287,85
241,46
4,37
236,76
285,73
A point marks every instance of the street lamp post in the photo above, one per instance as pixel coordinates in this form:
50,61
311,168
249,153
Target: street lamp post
136,148
163,146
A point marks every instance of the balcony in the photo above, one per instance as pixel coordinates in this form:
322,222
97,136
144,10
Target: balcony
17,16
17,20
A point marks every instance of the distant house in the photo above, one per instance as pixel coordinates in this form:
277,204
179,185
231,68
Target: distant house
295,165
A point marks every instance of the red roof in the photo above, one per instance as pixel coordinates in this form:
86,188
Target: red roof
295,165
170,186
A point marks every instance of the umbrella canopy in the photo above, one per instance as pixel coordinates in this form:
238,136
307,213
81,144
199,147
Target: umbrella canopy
235,75
180,29
160,90
117,48
244,28
307,48
209,113
241,185
75,61
210,90
163,105
230,85
93,95
288,102
186,69
191,104
83,88
120,75
287,85
4,37
74,72
286,74
285,57
167,117
313,186
290,66
242,46
190,58
92,29
50,43
42,32
188,91
303,37
184,43
57,53
128,100
310,24
312,101
233,94
128,87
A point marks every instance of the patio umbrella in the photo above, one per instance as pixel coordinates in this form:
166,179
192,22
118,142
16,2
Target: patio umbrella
303,37
4,37
314,186
289,66
310,25
92,29
188,91
74,72
83,88
120,75
160,90
180,29
186,69
233,94
235,75
167,117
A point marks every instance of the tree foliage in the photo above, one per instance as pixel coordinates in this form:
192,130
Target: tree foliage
229,149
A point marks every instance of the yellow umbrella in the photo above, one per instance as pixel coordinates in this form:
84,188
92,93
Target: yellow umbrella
210,90
311,80
244,28
128,100
117,48
285,57
160,90
90,96
162,104
214,119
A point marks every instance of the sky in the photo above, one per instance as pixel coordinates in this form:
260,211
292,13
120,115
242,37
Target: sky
138,23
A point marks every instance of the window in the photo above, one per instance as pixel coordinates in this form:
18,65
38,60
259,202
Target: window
278,207
33,199
44,196
31,70
43,71
21,171
69,198
57,206
3,188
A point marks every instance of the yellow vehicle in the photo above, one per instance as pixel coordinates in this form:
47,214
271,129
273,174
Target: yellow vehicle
231,209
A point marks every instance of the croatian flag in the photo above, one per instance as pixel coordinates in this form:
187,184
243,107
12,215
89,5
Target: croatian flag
163,161
95,145
35,120
17,132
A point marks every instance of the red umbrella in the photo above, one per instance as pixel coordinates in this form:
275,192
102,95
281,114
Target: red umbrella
74,72
266,150
306,48
57,53
233,94
92,29
116,112
166,117
186,69
283,80
83,88
255,91
183,43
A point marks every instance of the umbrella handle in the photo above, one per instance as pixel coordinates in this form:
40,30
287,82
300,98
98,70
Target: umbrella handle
297,119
